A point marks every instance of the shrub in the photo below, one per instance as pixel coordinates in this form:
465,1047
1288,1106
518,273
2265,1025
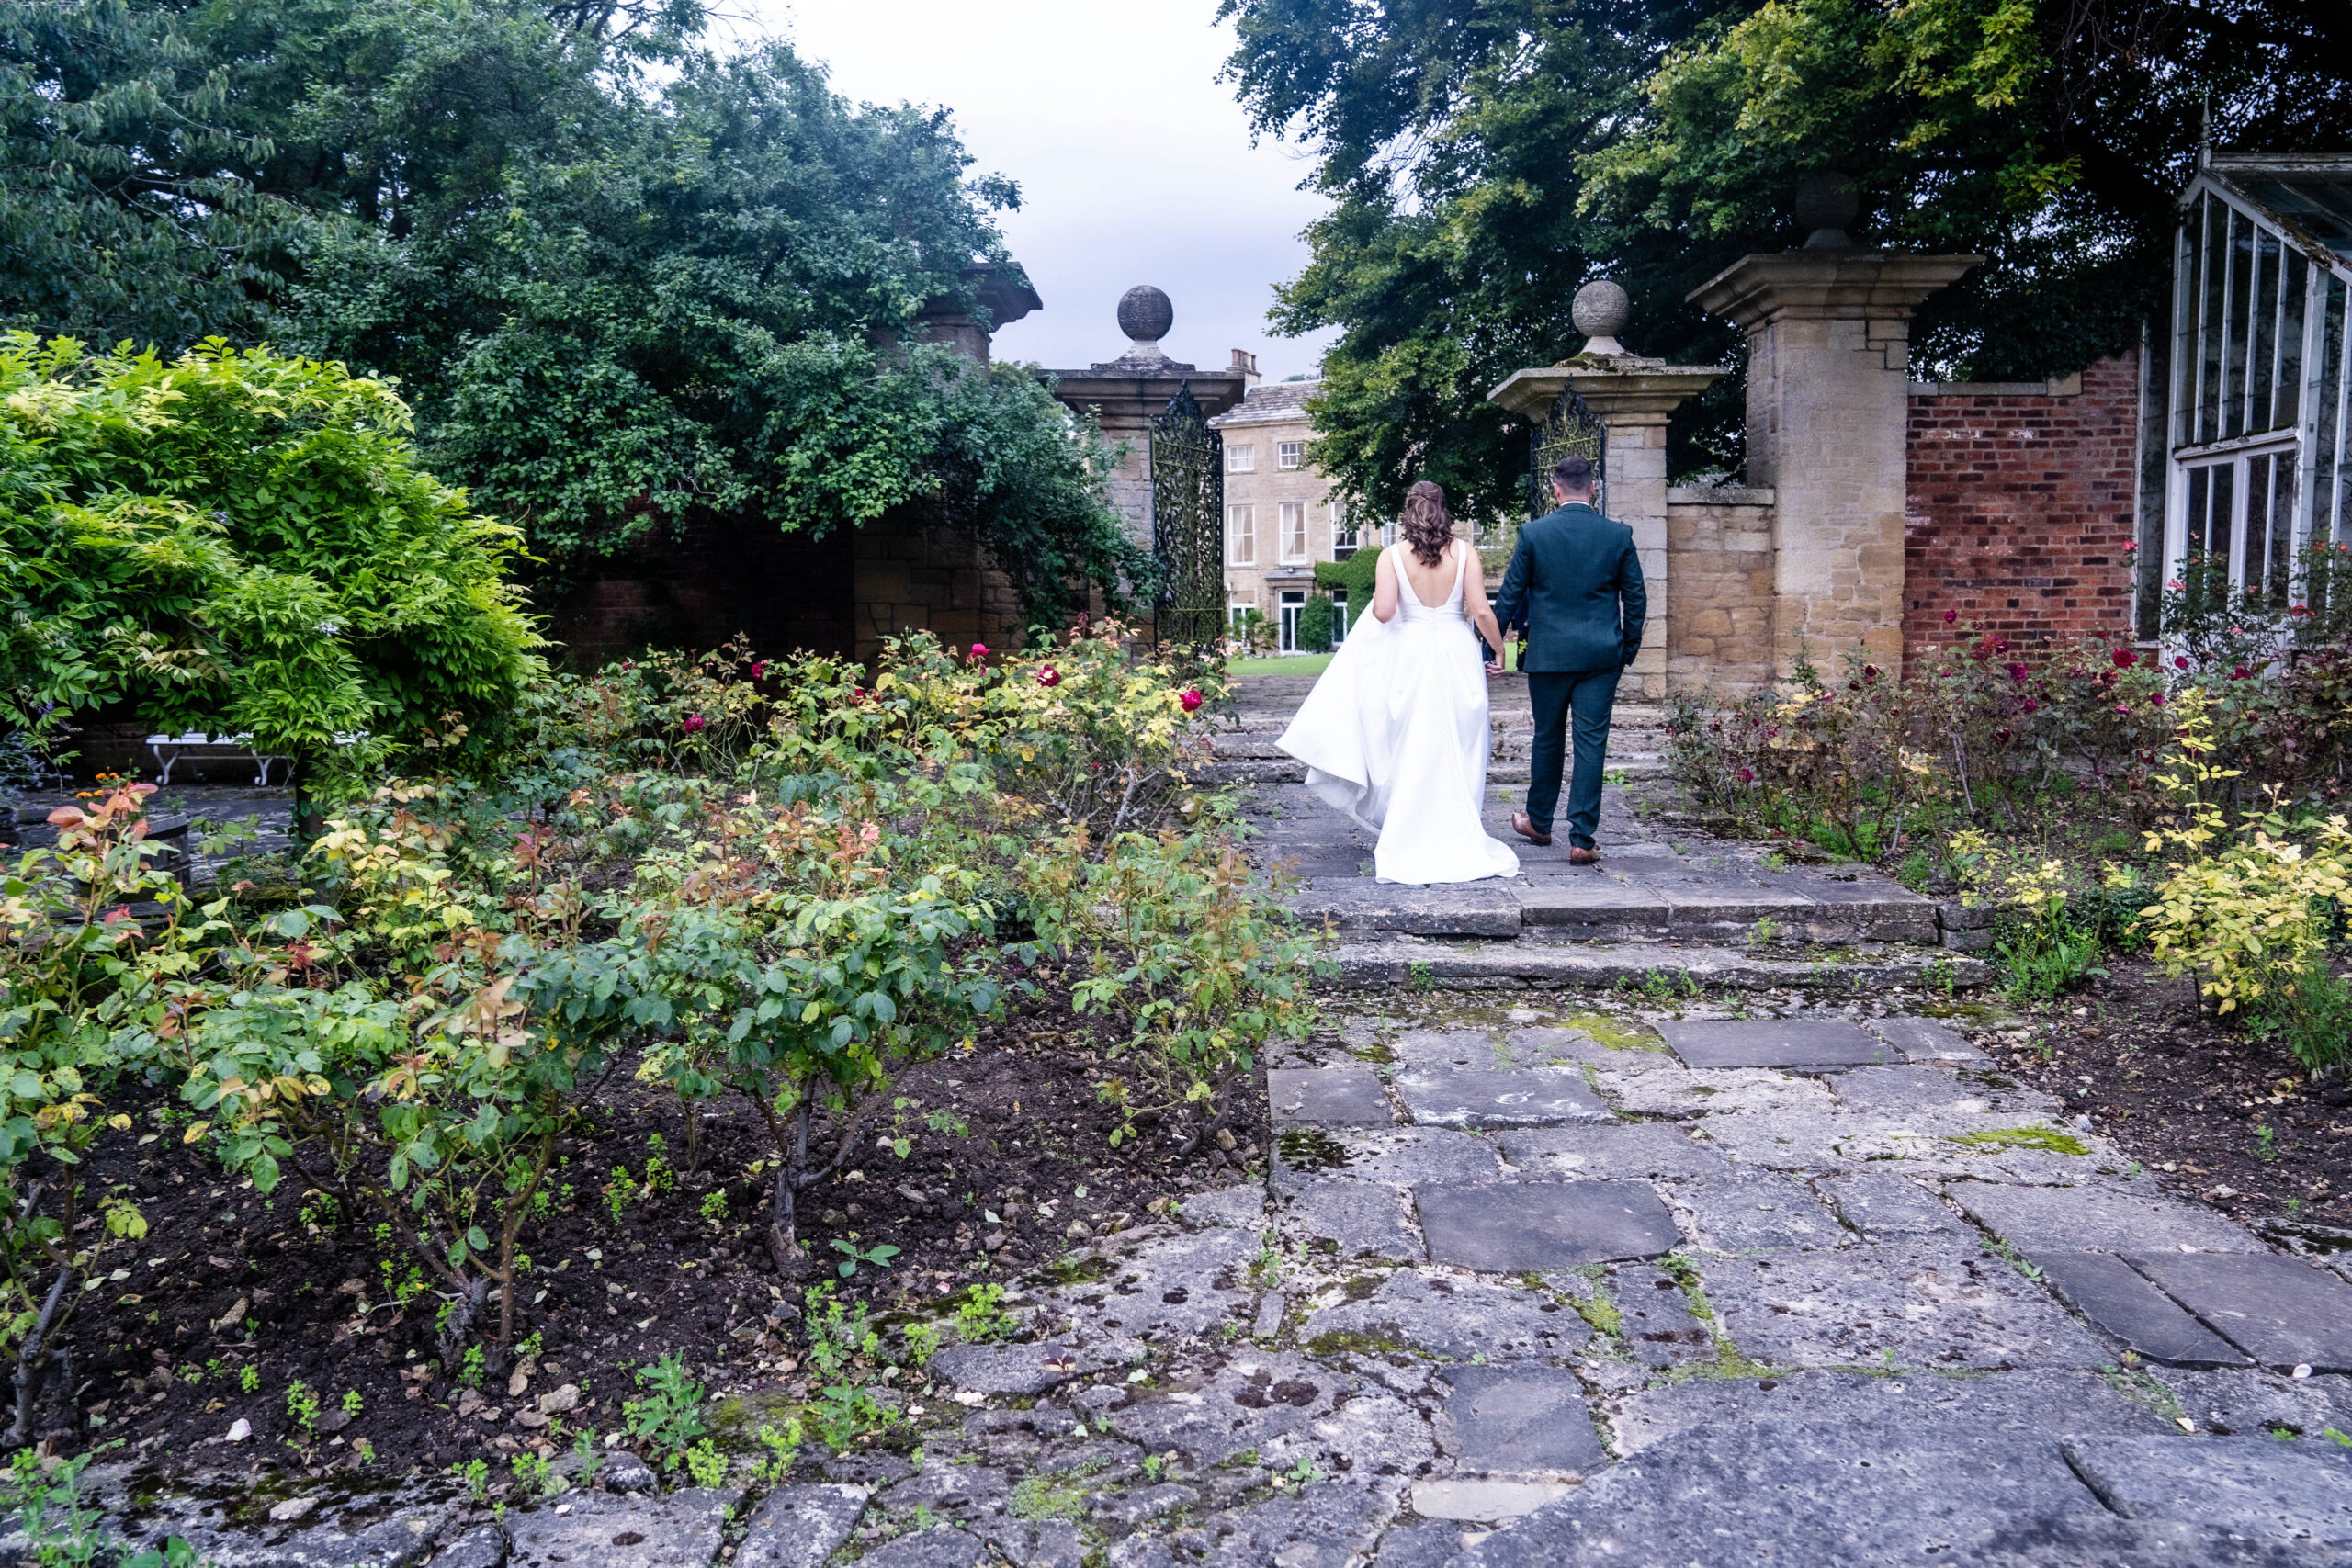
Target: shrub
1314,624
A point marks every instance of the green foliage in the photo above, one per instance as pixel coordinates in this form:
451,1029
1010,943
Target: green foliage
242,542
669,1418
878,1256
1484,161
980,1317
1314,624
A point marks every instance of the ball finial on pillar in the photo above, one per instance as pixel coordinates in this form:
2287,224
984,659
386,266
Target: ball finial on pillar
1600,310
1145,315
1826,202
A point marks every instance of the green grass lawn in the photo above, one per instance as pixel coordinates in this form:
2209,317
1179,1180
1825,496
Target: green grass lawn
1281,664
1311,664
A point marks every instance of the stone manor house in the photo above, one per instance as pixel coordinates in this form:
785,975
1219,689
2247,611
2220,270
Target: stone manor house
1872,503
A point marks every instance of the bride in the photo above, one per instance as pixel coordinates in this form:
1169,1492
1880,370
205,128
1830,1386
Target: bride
1395,733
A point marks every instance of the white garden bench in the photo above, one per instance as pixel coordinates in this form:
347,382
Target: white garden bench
170,749
196,743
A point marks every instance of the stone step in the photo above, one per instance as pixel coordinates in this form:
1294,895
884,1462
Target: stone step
1373,964
1289,769
1664,905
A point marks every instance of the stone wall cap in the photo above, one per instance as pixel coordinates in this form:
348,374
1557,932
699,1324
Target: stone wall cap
1826,284
1530,393
1722,495
2052,387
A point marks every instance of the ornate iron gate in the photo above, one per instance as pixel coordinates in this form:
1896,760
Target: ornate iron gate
1569,427
1188,522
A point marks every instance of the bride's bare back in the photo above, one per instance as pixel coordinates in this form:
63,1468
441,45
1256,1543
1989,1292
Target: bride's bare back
1433,586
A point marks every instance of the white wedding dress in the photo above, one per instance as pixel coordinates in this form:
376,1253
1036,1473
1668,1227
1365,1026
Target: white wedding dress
1395,734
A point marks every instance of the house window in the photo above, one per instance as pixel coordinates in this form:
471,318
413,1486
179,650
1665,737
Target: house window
1238,613
1293,531
1338,615
1294,601
1241,536
1290,454
1241,459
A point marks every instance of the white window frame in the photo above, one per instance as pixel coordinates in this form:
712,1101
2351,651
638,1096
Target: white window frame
1241,459
1236,610
1290,525
1288,605
1339,616
1290,454
1241,534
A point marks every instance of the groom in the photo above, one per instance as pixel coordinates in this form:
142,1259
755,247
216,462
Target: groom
1576,584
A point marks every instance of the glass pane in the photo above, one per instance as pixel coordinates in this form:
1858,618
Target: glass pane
2329,520
2222,514
2280,579
2188,257
2240,318
2287,407
2261,377
2193,520
2210,323
2257,526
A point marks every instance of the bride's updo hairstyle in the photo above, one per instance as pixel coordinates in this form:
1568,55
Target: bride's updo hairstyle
1429,526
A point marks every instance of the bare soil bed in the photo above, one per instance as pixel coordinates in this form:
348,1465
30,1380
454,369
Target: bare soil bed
2211,1112
190,1336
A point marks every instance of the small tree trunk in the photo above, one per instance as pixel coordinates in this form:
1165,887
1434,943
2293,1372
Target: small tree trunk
31,1364
791,1172
694,1133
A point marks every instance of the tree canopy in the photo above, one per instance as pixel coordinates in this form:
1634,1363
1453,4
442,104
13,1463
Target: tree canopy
1487,157
620,278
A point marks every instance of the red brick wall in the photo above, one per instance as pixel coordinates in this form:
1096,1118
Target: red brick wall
2020,509
713,579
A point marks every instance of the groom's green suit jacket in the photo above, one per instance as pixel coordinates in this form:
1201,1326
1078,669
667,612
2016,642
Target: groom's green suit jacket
1575,582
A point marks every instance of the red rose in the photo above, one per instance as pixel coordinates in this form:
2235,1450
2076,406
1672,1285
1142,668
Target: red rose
2003,736
759,667
695,722
2158,699
2125,657
2180,661
1950,615
1191,699
979,650
2033,707
1050,676
1869,672
1746,775
2018,672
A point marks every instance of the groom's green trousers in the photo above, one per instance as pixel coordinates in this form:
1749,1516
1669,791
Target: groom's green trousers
1589,694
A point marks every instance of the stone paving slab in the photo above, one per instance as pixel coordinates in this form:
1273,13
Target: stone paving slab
1925,1040
2116,1298
2041,1219
1552,1046
1530,1226
800,1527
1184,1284
1749,1210
1427,1048
1632,1149
1786,1496
1244,1405
2299,1492
1801,1044
1402,1156
940,1546
2016,1413
1461,1097
1595,904
1329,1097
1647,1089
2280,1310
1356,1219
1884,1206
2258,1402
1518,1421
1460,1319
380,1531
1657,1325
1030,1368
1926,1305
1897,1091
680,1530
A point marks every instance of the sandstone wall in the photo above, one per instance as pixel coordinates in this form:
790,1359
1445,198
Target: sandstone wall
1719,559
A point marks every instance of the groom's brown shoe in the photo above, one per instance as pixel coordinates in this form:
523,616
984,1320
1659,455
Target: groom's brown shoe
1525,829
1580,855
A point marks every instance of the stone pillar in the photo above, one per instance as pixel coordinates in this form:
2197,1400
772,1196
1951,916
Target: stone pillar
1828,375
1633,399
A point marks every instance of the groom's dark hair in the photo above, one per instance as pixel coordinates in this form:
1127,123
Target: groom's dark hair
1573,472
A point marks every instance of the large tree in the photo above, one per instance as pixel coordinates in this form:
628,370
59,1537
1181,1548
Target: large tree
620,279
1486,157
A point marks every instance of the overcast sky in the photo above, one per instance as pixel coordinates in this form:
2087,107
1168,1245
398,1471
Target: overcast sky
1133,161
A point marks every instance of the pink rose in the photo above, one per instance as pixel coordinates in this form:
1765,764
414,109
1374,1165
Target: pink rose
1191,699
1746,775
979,650
1050,676
759,667
695,723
